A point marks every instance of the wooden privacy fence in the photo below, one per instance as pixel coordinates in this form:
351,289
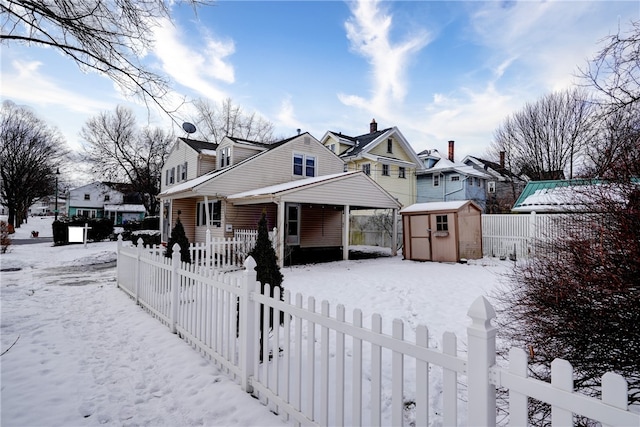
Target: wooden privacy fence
325,367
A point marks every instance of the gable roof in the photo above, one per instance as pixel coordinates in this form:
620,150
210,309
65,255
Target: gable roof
492,168
362,144
199,146
372,195
193,184
453,205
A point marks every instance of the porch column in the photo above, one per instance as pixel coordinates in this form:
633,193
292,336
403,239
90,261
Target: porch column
208,253
281,233
345,234
394,233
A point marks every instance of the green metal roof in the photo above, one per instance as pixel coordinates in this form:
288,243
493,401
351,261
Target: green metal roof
533,186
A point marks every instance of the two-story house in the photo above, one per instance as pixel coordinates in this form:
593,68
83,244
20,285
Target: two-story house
504,186
300,185
106,200
384,155
444,180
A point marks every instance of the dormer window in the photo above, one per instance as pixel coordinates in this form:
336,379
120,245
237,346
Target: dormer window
225,157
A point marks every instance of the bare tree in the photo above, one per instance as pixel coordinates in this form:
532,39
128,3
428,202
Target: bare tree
30,153
117,150
215,122
615,71
545,138
107,36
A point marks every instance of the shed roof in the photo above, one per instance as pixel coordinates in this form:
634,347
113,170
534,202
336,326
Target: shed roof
438,206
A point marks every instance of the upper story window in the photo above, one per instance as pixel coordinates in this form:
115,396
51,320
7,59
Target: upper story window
385,170
402,172
87,196
436,180
389,145
215,213
304,165
332,147
225,157
366,168
455,177
183,175
170,176
107,197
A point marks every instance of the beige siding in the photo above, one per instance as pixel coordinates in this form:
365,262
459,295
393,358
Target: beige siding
274,167
247,217
240,152
398,151
206,164
355,190
444,248
180,153
187,208
403,189
320,226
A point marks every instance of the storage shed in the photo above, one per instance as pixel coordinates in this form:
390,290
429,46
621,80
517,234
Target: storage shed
442,231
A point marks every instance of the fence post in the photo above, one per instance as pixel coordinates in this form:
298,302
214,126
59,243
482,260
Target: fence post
247,332
207,250
481,337
175,286
118,260
139,249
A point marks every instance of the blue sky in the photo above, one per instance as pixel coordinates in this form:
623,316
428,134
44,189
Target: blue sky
438,70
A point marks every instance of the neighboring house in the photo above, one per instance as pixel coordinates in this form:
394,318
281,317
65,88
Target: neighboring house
105,200
504,186
47,206
297,182
384,155
445,180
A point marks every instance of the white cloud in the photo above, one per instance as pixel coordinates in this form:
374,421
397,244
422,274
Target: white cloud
198,69
286,118
368,32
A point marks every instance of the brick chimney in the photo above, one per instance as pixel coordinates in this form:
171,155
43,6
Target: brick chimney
451,150
502,159
373,126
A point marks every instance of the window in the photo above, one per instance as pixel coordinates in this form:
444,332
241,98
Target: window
293,224
389,145
310,169
107,197
86,213
166,177
225,157
171,175
332,147
87,196
455,178
402,172
442,223
215,213
385,170
306,164
436,180
183,175
366,168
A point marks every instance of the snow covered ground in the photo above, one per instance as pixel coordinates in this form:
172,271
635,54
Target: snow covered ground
79,352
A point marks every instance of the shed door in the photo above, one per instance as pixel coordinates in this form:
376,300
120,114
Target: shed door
420,237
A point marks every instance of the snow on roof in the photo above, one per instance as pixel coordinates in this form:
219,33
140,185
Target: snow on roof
435,206
278,188
208,152
125,208
557,199
189,185
447,165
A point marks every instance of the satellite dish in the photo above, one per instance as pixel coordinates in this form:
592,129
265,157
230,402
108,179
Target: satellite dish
188,127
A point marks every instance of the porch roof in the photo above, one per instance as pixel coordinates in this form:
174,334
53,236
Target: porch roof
347,188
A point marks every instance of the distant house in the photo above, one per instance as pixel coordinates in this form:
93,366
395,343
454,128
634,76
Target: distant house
297,182
384,155
504,186
47,206
445,180
105,200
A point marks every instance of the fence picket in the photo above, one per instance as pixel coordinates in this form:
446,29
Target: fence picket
357,371
450,383
422,379
340,368
311,359
324,368
397,376
562,379
518,365
376,373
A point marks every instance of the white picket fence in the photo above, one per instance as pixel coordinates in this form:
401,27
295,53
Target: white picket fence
320,368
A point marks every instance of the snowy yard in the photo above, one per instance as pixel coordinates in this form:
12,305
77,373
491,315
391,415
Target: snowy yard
87,355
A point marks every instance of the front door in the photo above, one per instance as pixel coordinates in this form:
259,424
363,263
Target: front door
292,221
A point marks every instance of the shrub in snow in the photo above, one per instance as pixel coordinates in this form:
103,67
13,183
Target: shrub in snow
178,236
99,229
5,240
